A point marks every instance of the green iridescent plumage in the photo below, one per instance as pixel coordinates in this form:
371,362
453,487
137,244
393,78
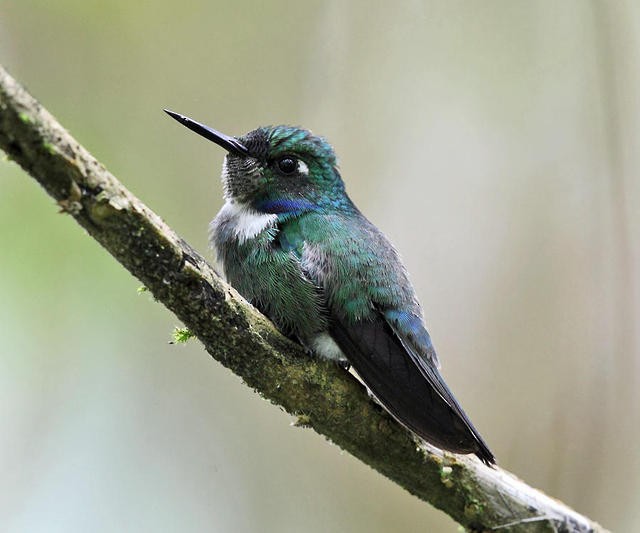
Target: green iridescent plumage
290,240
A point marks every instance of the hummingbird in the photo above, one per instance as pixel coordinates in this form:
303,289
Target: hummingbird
292,242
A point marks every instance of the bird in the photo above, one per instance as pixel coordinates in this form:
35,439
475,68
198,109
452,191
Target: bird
291,242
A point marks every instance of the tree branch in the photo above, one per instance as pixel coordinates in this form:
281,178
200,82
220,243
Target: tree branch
323,396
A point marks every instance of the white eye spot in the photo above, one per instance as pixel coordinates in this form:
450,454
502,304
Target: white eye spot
303,168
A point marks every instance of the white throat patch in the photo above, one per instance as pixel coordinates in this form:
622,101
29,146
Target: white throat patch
246,222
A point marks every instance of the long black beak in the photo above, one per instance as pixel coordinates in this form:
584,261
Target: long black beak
230,144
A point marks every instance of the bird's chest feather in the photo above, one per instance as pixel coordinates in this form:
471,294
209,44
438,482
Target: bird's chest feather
261,263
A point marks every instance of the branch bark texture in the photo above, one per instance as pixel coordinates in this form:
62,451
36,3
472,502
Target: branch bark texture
321,395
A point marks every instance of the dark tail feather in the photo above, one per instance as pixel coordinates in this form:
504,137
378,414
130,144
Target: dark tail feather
393,378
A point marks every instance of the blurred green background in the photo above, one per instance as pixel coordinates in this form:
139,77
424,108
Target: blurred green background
495,143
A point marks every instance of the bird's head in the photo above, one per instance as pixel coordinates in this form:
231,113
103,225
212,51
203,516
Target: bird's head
276,169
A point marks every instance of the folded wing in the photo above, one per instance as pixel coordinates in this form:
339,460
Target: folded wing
411,389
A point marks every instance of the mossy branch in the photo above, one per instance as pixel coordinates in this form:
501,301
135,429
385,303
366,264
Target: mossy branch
322,395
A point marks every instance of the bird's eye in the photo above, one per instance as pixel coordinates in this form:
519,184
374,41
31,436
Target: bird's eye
287,164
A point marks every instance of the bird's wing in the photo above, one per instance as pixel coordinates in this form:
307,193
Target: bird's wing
413,391
390,349
416,342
